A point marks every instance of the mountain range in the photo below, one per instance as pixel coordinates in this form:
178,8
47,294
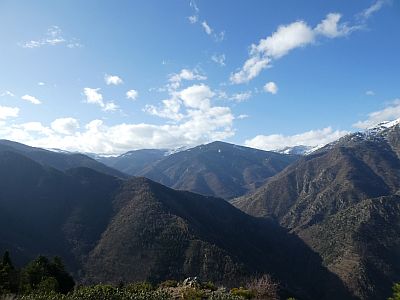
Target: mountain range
325,225
112,230
59,160
343,201
217,169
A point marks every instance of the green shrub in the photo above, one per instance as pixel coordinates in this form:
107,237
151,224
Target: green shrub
96,292
137,287
219,295
209,286
396,292
43,296
244,293
169,283
192,294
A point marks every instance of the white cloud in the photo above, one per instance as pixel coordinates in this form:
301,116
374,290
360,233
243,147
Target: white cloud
175,80
251,68
113,80
197,96
331,28
193,19
8,112
242,116
132,94
219,59
31,99
53,37
194,6
97,137
206,27
7,93
40,83
368,12
36,127
370,93
170,109
194,97
191,110
271,87
313,138
198,122
241,97
389,113
93,96
110,106
65,125
287,38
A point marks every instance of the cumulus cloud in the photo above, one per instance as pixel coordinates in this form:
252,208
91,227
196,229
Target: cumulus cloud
110,106
176,79
197,96
8,112
193,97
170,109
191,109
65,125
292,36
93,96
389,113
31,99
113,80
330,27
54,36
195,120
132,94
219,59
271,87
98,137
312,138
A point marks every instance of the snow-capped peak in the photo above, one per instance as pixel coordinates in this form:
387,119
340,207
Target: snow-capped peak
298,150
383,125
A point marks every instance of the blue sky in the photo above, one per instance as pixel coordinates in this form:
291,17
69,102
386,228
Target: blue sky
112,76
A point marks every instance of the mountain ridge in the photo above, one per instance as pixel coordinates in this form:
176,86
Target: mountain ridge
317,194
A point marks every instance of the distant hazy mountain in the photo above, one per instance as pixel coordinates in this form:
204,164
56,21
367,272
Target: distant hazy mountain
59,160
110,230
133,162
218,169
343,201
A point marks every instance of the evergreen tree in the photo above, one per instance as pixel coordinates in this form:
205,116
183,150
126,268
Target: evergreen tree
8,275
7,260
396,292
42,274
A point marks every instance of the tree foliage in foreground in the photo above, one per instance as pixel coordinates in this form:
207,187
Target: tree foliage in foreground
396,292
45,279
40,275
